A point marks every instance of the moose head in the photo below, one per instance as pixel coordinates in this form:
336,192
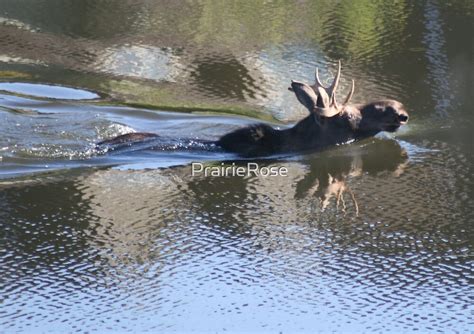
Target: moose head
368,119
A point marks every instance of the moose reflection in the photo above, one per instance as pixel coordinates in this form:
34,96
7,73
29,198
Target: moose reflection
327,124
327,178
322,180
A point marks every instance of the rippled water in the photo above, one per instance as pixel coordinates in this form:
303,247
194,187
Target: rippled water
375,236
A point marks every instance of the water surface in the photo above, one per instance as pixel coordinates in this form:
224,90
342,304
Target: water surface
375,236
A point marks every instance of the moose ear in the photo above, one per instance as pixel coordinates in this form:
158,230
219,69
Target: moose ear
305,94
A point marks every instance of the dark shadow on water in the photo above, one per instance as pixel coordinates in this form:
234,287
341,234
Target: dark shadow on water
321,177
223,76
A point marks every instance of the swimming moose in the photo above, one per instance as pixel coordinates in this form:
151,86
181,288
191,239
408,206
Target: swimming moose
328,123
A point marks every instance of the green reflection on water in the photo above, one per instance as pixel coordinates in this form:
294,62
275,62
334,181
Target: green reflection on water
216,45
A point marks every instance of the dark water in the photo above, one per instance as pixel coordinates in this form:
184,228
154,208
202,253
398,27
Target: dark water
376,236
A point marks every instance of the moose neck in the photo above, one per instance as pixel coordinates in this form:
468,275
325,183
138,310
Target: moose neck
318,132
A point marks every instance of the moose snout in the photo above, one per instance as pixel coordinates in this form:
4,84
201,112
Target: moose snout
403,118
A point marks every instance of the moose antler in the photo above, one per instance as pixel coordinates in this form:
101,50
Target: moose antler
320,99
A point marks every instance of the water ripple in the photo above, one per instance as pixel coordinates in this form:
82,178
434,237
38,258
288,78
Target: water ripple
370,237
